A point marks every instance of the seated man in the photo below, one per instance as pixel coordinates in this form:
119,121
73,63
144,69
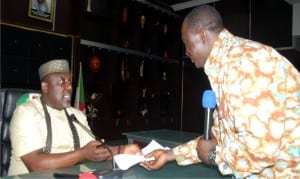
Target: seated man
43,134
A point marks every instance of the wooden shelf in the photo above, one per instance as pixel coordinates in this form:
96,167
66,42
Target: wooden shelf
127,51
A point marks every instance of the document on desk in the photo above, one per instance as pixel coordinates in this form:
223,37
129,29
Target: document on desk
125,161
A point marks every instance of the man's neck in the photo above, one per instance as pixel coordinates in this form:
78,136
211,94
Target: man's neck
47,103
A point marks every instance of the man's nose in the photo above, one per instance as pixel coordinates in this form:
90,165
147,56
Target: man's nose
69,86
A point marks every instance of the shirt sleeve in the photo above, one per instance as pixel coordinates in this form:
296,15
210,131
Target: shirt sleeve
186,153
25,132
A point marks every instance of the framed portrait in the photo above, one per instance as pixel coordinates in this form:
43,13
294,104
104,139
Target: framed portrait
41,9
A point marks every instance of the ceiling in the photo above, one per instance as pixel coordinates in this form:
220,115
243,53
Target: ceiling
175,7
167,3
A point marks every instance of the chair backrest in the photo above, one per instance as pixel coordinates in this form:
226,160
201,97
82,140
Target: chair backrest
9,99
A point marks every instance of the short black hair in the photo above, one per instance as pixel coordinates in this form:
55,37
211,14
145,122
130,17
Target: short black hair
204,16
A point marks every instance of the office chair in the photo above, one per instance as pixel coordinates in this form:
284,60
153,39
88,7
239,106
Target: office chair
9,99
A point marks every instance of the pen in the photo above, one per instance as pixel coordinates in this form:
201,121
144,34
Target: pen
65,175
101,141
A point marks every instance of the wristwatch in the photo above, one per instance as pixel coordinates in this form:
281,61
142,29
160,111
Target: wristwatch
212,156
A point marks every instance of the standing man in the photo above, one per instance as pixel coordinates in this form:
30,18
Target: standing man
256,130
43,133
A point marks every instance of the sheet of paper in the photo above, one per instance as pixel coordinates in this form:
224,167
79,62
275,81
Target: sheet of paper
153,145
125,161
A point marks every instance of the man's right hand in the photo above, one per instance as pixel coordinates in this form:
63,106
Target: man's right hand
93,153
161,157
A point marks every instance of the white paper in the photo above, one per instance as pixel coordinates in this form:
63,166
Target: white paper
125,161
153,145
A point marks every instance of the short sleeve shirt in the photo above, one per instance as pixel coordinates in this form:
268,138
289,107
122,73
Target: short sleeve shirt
28,132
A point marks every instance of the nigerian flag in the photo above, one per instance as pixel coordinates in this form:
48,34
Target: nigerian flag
79,98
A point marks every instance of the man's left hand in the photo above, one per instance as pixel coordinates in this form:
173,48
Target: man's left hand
203,148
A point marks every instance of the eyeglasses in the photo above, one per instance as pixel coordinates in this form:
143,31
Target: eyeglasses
64,83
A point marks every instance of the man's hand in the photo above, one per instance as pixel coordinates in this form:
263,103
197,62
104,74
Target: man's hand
129,149
93,152
203,147
161,157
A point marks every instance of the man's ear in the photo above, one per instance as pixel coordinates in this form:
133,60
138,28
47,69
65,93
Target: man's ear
202,34
44,87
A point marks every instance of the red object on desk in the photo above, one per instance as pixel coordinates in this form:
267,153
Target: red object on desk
87,175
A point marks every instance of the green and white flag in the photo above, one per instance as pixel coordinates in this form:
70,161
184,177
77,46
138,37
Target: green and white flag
80,98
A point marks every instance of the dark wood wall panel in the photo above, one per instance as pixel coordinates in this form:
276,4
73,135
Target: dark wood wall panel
195,82
272,22
235,15
24,50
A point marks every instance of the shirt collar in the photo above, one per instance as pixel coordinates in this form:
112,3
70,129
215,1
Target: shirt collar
219,49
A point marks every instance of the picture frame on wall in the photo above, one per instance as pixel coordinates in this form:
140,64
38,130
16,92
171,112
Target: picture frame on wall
41,9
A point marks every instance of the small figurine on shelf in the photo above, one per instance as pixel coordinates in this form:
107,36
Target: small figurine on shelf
165,109
94,105
143,111
94,62
88,6
143,21
120,117
124,15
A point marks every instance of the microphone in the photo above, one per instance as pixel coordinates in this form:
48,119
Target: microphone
209,103
115,172
74,119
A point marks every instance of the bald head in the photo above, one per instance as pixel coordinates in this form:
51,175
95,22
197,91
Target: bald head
204,16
